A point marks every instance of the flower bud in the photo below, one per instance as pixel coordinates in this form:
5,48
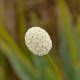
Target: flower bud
38,41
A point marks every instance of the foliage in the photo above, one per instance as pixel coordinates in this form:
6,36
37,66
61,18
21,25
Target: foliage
64,34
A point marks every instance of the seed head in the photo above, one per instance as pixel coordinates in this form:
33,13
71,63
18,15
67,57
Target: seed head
38,41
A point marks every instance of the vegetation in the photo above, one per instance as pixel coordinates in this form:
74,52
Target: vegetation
60,18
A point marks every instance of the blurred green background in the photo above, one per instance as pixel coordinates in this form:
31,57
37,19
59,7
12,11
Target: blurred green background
60,18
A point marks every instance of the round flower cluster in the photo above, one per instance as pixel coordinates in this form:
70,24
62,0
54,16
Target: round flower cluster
38,41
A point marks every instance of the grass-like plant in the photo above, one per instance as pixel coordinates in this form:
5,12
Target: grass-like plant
64,57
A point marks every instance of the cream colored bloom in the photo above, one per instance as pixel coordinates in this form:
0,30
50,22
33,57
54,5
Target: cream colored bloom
38,41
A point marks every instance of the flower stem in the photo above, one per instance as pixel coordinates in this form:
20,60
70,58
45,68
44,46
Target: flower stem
54,67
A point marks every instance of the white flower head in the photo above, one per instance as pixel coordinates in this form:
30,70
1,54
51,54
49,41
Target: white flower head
38,41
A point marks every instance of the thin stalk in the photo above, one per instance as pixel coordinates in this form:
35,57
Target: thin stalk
54,67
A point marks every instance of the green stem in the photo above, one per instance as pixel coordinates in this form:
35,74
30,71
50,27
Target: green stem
54,67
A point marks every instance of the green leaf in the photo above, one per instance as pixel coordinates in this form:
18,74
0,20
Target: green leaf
66,56
68,25
24,71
